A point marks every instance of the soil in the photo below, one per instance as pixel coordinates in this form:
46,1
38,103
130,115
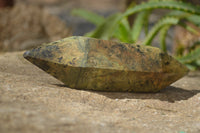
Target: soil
33,101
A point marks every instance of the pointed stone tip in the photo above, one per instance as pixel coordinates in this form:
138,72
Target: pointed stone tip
26,54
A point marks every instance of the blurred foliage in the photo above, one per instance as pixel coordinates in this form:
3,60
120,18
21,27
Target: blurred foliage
118,27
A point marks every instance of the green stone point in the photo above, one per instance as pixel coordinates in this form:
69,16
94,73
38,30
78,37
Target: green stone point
94,64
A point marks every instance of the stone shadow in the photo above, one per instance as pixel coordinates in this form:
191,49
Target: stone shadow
170,94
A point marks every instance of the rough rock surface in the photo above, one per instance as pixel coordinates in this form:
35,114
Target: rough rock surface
25,26
33,101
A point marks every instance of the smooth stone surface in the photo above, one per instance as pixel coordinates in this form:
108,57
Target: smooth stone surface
94,64
32,101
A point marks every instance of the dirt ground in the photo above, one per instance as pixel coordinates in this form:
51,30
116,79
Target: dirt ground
33,101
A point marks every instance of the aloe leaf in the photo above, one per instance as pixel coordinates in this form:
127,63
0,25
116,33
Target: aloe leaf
146,22
89,34
188,16
89,16
163,22
198,62
138,25
194,19
189,28
163,34
191,66
126,24
106,29
123,32
194,55
186,7
111,26
179,14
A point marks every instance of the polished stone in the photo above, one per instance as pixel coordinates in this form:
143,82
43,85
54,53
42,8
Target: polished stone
93,64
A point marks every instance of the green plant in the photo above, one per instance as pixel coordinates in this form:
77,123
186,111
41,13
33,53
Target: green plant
117,26
192,59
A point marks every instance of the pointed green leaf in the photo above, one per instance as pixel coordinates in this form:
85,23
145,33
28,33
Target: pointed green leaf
89,16
112,22
163,22
106,29
194,55
138,25
163,34
123,31
181,6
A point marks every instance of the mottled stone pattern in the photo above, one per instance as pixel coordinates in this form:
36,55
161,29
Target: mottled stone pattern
93,64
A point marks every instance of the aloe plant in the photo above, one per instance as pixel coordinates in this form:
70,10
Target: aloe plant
192,59
117,26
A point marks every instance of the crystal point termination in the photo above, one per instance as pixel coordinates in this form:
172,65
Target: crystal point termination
93,64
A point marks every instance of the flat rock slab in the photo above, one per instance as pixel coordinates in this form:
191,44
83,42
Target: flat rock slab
33,101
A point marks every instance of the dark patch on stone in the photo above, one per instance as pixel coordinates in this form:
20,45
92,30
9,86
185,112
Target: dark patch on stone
72,62
138,50
43,64
162,55
99,41
37,50
167,63
73,59
157,62
54,42
52,47
47,54
148,50
49,51
121,47
59,59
